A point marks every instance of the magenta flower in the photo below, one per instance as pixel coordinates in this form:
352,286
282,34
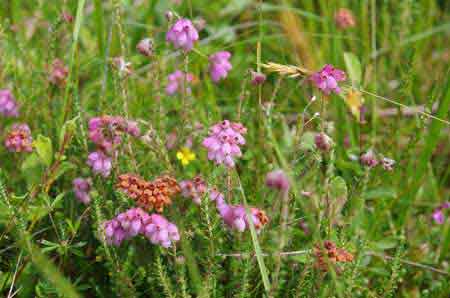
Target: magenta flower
8,104
278,180
323,142
369,159
100,163
19,138
327,79
194,189
182,35
438,213
81,187
224,141
176,82
160,231
257,78
219,65
145,47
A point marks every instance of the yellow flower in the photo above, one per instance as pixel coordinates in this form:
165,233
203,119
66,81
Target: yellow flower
185,155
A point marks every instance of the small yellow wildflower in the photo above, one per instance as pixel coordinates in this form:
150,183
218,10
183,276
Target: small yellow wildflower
185,155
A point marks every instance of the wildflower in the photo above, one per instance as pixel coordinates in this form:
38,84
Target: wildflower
100,163
160,231
223,142
8,104
179,81
387,163
67,17
278,179
219,65
323,142
123,67
185,155
171,140
151,195
58,73
194,189
106,131
258,78
235,216
81,187
182,34
19,138
369,159
327,79
438,213
344,18
329,254
145,47
125,226
168,15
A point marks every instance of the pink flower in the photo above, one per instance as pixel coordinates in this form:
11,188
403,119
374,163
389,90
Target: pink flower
387,163
323,142
258,78
182,34
438,213
224,141
327,79
81,187
100,163
145,47
176,82
344,18
58,73
19,138
8,104
278,179
160,231
219,65
369,159
125,226
194,189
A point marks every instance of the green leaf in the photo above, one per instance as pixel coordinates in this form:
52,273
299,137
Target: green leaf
67,130
385,244
338,194
353,67
44,149
380,193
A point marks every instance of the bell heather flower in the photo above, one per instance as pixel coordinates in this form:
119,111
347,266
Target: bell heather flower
327,79
223,142
323,142
8,104
278,179
58,73
100,163
182,34
438,213
145,47
344,18
176,82
194,189
161,231
81,187
219,65
258,78
19,138
369,159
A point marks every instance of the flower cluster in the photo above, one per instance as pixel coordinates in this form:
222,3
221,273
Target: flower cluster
182,35
223,142
323,142
58,73
151,195
329,254
369,159
177,81
235,216
106,131
19,138
8,104
81,187
145,47
344,18
438,214
327,79
135,222
277,179
219,65
100,163
194,189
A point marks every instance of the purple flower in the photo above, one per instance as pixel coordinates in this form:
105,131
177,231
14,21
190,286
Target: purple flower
182,34
125,226
8,104
438,213
224,141
100,163
258,78
176,82
81,187
369,159
323,142
160,231
145,47
194,189
327,79
19,138
278,179
219,65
